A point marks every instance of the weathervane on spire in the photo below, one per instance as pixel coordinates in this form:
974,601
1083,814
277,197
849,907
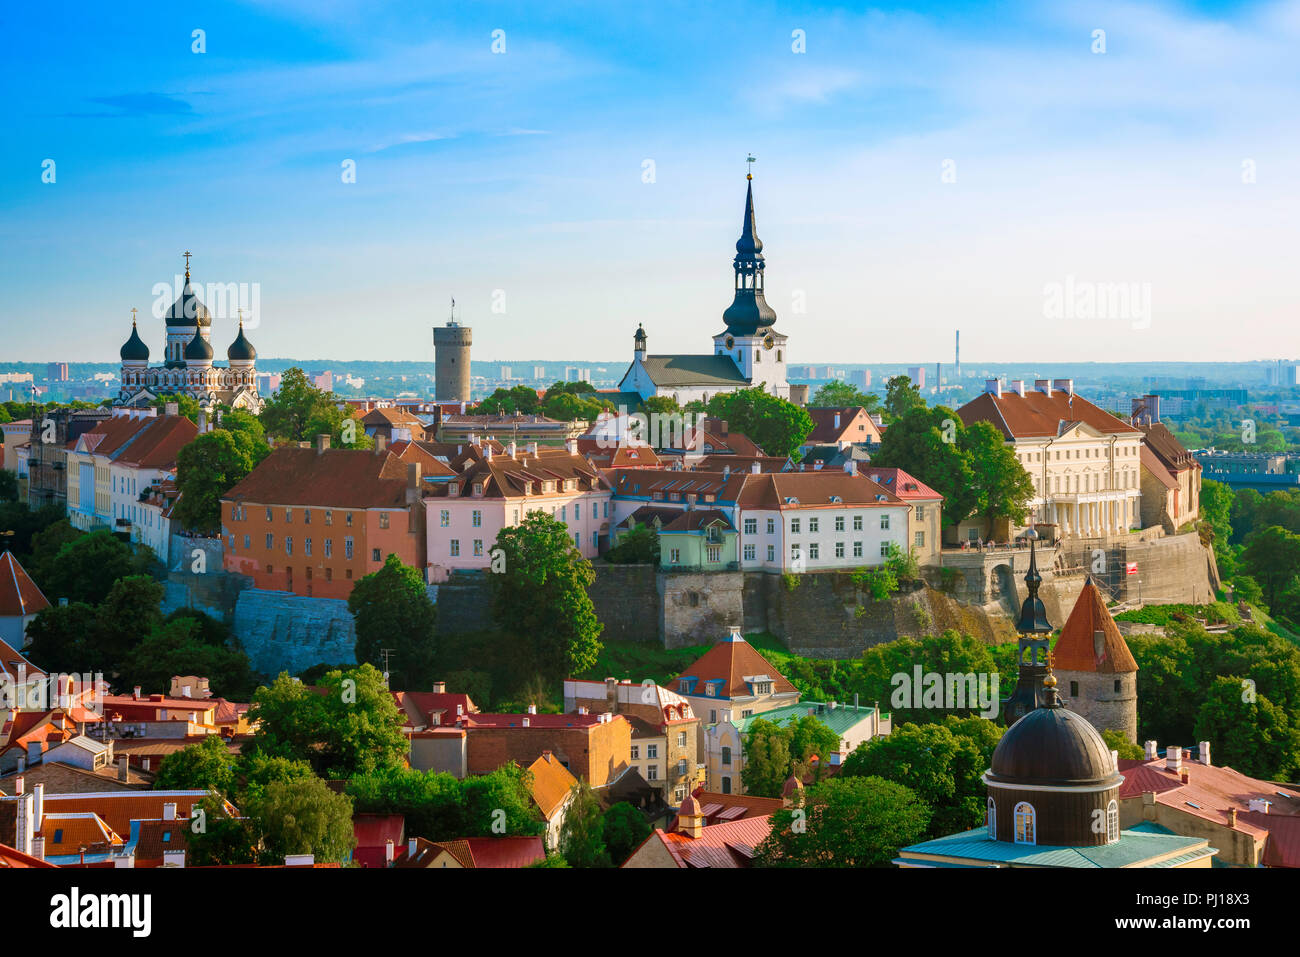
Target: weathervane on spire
749,160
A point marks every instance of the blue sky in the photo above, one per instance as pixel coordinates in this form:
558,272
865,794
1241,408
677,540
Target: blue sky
515,180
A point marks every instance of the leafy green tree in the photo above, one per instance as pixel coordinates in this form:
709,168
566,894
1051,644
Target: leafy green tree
86,567
500,803
551,860
1001,486
430,802
947,653
303,817
846,822
661,404
209,467
1272,558
8,486
130,610
927,443
392,609
186,406
176,648
1117,741
625,829
1250,733
1247,589
639,545
206,765
63,638
901,397
519,399
558,619
1216,508
222,840
42,543
774,751
774,424
349,726
841,395
582,836
298,412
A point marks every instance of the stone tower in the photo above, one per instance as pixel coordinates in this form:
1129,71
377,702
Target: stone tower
1097,672
451,360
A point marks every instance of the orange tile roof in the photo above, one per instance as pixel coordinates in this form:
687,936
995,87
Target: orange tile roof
730,661
66,832
19,595
727,845
11,659
825,430
781,490
551,784
157,444
1079,649
11,857
119,808
334,478
901,483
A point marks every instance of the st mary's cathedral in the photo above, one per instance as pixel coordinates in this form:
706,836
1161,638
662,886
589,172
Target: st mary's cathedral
187,368
747,353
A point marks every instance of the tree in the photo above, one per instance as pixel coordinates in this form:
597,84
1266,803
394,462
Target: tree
255,772
519,399
639,545
926,442
1216,507
63,639
222,839
176,648
1272,558
774,751
186,406
841,395
625,829
1250,733
209,467
774,424
999,483
42,544
500,803
8,486
86,567
130,610
582,836
392,609
661,404
303,817
299,411
845,822
430,802
901,397
207,765
348,726
558,618
1117,741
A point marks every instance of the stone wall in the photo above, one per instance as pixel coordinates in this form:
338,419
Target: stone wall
281,631
1174,569
699,607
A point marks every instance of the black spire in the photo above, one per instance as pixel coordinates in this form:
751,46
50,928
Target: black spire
1033,689
749,312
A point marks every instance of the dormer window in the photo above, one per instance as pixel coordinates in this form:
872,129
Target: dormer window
478,488
453,490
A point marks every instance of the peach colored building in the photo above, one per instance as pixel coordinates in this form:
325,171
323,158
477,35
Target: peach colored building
313,521
494,490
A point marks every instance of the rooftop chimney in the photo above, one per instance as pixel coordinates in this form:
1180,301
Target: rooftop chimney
38,848
755,468
532,450
410,847
511,449
1205,753
388,852
1151,751
135,692
1232,817
169,811
849,467
1043,385
1260,804
571,446
1017,386
1174,758
993,387
322,442
1063,385
38,808
381,443
532,709
123,768
440,687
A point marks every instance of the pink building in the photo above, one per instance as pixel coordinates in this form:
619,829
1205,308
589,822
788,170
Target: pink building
494,490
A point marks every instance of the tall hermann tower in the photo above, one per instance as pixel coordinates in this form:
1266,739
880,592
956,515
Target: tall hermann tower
451,360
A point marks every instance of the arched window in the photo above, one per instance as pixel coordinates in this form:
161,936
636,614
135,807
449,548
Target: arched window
1112,822
993,820
1026,832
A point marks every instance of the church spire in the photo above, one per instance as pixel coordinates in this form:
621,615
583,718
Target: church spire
749,314
1035,684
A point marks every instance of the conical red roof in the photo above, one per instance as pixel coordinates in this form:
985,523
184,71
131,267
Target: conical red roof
1080,648
19,595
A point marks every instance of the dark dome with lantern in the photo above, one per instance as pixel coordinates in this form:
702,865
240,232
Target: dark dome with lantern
188,309
134,350
241,350
1053,747
199,348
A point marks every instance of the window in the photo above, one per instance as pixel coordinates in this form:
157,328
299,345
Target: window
857,549
306,516
595,539
1025,831
919,539
652,773
478,547
1112,822
347,548
329,517
564,513
794,550
884,549
771,526
920,513
771,553
652,750
991,819
288,515
246,544
857,523
714,553
726,756
306,546
681,739
884,523
347,519
455,547
375,556
750,553
329,547
726,785
814,526
751,526
383,519
674,556
1074,689
478,488
444,518
577,540
839,549
270,541
839,523
268,513
636,752
814,551
681,768
476,519
794,526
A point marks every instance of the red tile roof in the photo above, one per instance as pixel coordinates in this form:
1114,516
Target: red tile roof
479,852
157,444
372,833
1036,415
1079,649
730,661
782,490
334,478
513,720
10,661
18,593
901,483
727,845
825,430
13,858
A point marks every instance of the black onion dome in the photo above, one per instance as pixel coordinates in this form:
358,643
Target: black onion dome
134,349
199,348
241,349
188,310
1052,746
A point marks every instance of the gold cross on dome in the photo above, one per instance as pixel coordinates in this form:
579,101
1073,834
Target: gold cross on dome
187,260
133,315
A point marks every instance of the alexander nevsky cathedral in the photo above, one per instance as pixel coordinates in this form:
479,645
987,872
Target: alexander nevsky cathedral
187,368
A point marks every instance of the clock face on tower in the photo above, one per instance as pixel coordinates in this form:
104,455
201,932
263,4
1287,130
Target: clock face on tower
768,341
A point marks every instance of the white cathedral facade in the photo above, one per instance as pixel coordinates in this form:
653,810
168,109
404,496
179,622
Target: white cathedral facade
748,352
188,368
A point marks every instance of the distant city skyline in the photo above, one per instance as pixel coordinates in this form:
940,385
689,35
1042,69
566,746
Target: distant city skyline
918,171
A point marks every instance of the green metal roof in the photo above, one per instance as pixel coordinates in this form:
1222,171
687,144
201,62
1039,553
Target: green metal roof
693,370
841,719
1133,848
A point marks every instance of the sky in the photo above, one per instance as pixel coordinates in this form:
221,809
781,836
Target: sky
567,170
